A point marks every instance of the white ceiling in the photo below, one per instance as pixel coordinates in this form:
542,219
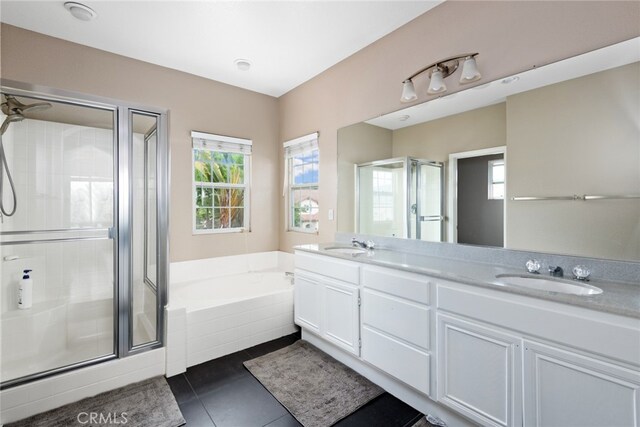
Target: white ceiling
287,42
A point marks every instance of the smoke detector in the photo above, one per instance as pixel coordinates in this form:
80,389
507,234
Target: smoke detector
80,11
242,64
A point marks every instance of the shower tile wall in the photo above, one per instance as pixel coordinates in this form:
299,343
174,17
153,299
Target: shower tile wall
64,179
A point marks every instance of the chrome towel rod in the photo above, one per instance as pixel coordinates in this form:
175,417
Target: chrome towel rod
578,197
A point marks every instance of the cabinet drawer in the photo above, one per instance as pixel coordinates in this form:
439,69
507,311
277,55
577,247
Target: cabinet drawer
410,286
397,317
331,267
397,359
600,333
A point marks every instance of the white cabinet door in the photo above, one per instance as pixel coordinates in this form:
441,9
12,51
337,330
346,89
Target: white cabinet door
479,371
562,388
308,300
341,315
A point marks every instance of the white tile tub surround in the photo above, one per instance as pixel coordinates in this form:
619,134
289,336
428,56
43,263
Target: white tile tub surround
23,401
221,305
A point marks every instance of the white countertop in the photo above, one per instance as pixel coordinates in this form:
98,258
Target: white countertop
617,298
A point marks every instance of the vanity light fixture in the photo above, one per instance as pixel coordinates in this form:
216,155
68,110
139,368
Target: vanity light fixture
440,70
80,11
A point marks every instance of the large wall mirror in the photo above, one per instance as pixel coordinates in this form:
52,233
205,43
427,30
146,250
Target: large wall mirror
547,160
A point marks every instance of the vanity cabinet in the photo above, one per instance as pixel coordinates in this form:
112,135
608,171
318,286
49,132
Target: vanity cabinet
478,371
576,367
496,358
327,300
563,388
396,325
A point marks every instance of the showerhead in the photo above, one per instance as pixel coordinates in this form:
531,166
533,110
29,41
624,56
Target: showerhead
12,105
15,110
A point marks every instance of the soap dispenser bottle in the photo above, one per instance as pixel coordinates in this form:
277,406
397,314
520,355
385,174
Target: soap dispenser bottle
25,291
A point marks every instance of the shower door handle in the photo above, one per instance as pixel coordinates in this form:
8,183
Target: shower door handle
47,236
432,218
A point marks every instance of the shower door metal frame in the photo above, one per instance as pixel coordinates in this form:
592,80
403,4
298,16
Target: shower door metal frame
419,163
162,221
122,218
407,163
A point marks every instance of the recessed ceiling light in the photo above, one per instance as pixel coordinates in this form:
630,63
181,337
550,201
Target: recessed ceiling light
80,11
404,118
510,80
242,64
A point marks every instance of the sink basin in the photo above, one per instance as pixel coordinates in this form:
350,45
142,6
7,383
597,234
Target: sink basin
346,250
549,284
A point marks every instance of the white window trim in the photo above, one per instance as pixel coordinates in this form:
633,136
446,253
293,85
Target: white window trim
490,180
227,144
291,147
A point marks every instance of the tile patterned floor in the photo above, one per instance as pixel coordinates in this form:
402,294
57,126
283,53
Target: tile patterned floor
222,393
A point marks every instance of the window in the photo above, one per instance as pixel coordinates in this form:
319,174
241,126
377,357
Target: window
221,167
301,183
382,195
496,179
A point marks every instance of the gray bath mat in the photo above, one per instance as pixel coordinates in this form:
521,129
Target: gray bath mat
317,389
148,403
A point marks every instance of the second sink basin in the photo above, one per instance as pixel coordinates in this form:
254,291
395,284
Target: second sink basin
549,284
346,250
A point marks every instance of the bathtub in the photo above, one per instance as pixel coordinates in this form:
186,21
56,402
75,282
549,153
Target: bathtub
216,291
222,305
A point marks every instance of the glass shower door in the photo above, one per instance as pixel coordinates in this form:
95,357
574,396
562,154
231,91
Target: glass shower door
144,200
429,215
61,157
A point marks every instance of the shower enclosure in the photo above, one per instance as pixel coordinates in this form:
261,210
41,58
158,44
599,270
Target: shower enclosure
88,178
401,197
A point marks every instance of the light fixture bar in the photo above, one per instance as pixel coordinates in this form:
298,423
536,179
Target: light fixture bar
443,62
438,71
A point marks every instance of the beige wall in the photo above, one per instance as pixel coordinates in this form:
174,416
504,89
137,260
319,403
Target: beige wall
585,139
360,143
194,103
435,140
510,36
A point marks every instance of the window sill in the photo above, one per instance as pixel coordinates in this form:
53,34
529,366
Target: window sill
219,231
304,232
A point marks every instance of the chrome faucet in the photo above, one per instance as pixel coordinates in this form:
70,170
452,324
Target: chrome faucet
369,244
581,272
556,271
533,266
